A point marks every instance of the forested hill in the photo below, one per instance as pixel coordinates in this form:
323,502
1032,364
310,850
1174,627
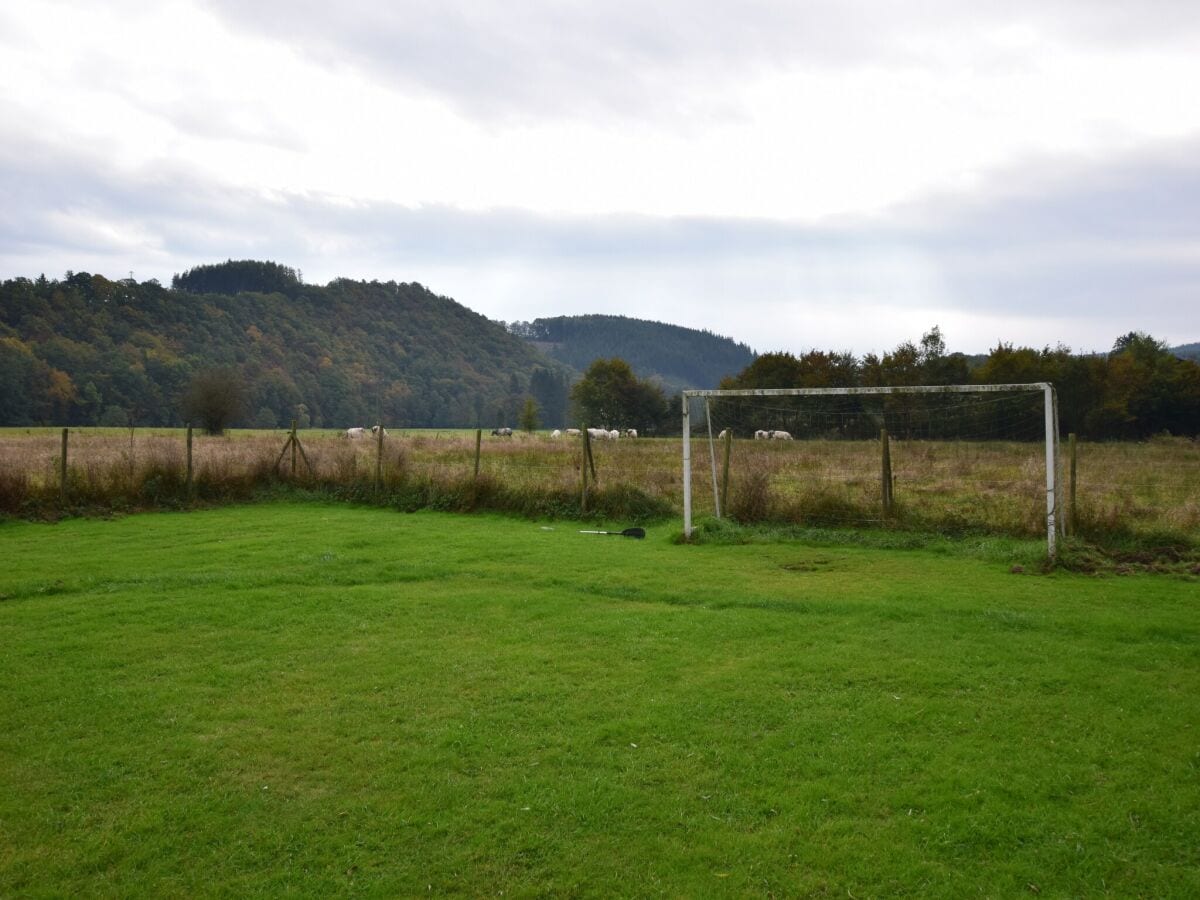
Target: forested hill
1187,351
88,350
679,357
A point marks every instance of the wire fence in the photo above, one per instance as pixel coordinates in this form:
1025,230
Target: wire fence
942,485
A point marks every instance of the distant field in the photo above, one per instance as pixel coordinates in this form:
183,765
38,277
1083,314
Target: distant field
1150,488
310,699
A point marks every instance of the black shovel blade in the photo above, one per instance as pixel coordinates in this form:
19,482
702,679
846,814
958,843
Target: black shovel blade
628,532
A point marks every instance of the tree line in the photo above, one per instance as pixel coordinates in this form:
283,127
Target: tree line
1138,389
86,350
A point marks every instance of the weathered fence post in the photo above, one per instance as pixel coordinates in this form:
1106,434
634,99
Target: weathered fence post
379,457
1071,494
590,458
478,444
190,486
886,474
586,449
62,475
725,470
293,443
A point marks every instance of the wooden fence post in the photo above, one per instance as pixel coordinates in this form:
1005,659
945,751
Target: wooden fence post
586,449
587,440
1071,495
725,471
190,486
478,444
886,474
379,457
62,475
295,443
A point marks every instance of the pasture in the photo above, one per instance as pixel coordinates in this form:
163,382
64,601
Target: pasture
312,699
1127,492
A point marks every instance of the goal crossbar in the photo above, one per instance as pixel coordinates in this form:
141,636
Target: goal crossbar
1050,403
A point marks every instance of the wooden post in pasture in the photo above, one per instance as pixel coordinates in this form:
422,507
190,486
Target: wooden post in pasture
478,445
293,443
1071,492
725,469
886,473
62,474
586,449
379,457
190,487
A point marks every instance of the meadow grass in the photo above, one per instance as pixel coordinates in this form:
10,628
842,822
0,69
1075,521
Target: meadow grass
315,700
1144,494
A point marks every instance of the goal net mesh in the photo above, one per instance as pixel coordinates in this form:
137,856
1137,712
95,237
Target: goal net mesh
959,462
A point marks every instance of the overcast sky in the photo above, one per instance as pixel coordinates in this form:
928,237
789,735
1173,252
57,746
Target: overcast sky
841,174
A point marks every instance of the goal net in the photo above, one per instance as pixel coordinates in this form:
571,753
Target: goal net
932,457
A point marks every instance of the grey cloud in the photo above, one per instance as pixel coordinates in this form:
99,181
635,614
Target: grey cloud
495,58
1107,248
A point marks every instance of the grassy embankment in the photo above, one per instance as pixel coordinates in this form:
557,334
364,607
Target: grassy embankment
315,699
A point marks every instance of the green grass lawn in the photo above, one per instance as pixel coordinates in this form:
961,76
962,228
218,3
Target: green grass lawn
316,700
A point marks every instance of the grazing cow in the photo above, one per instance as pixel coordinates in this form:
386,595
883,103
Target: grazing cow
574,432
375,430
630,432
556,434
780,436
356,433
599,434
761,435
614,435
724,434
502,432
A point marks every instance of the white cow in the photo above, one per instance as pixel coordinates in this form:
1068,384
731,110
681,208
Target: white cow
556,434
761,435
598,434
630,432
574,432
780,436
356,433
724,434
375,430
614,435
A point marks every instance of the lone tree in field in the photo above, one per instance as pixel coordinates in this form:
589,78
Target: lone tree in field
611,395
529,415
213,399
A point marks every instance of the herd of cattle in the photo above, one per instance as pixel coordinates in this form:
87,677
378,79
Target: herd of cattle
596,434
356,433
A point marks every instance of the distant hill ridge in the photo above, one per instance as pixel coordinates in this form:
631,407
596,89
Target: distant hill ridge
1187,351
677,356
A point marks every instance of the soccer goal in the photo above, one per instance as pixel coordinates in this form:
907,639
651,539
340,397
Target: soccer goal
978,450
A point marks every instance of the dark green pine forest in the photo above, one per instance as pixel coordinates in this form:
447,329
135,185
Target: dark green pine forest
674,356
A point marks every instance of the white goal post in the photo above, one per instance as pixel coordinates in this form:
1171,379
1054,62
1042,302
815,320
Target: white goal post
1050,402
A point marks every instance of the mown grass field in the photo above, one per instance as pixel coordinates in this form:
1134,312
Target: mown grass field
315,700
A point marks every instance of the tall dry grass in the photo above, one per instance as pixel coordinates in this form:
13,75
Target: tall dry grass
1122,489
